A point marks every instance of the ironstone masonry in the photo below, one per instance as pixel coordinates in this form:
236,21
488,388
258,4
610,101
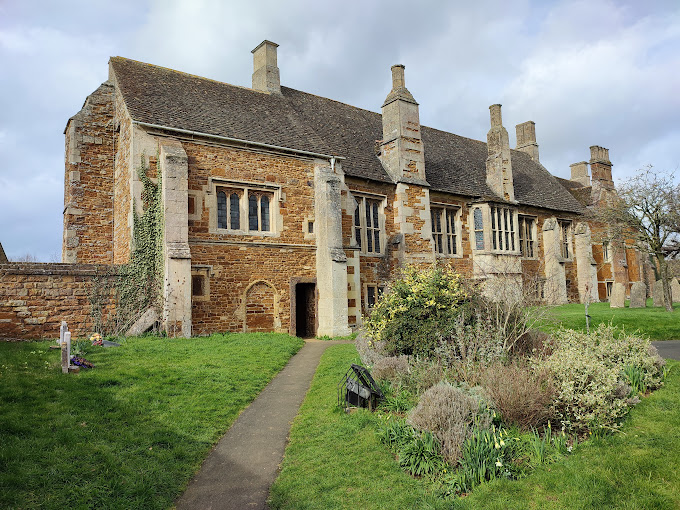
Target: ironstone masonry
285,211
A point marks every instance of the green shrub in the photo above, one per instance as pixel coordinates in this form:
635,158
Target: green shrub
592,393
421,456
434,312
420,307
450,413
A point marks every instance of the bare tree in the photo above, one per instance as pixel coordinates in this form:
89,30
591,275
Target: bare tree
26,257
646,209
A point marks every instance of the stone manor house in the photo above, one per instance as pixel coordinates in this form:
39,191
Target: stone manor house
285,211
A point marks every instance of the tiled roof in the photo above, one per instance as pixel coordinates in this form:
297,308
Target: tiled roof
580,192
302,121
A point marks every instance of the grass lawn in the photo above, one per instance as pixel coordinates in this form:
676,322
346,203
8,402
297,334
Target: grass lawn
657,323
335,461
131,432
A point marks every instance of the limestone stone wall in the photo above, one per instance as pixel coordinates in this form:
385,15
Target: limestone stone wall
88,181
36,297
586,266
555,270
177,256
413,221
331,260
122,171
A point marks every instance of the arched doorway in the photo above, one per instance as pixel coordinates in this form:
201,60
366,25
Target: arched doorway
261,307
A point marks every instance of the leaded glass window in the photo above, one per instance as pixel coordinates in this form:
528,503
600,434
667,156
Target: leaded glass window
565,230
502,229
264,212
526,236
367,225
221,209
259,217
229,209
479,228
234,211
444,230
253,220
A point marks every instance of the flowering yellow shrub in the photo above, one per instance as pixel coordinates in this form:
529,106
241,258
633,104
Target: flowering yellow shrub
420,307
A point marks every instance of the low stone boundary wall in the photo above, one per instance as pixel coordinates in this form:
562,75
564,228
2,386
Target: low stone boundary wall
36,297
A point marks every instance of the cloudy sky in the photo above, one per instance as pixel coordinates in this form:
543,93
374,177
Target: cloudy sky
592,72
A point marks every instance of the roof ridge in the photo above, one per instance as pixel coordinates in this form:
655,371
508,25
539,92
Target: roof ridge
119,59
283,87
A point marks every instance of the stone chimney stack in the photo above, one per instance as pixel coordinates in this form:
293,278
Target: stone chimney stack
526,139
601,167
401,149
579,173
265,70
498,163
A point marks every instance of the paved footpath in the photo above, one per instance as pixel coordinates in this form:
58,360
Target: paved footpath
240,470
669,349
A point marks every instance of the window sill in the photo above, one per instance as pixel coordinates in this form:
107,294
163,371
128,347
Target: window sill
449,256
253,233
496,252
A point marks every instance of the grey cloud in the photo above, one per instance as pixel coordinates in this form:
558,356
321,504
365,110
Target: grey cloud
587,72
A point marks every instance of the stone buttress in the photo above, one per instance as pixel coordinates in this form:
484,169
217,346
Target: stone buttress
331,261
174,170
